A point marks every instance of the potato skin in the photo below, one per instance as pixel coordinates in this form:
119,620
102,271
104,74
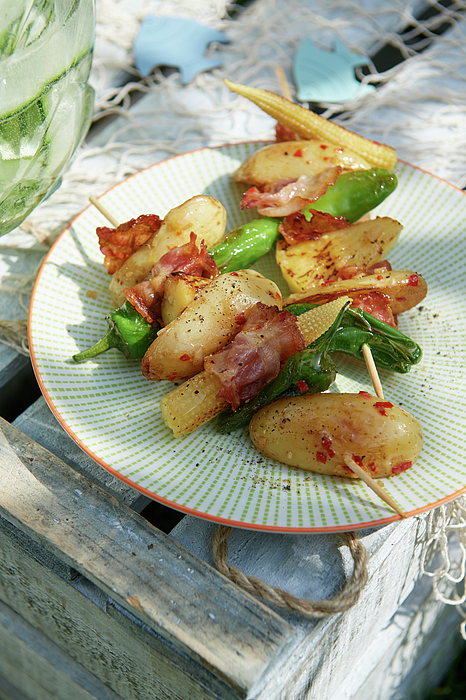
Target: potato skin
207,324
277,161
204,215
314,431
405,289
315,261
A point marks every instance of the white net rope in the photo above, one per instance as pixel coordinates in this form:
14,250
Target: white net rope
419,107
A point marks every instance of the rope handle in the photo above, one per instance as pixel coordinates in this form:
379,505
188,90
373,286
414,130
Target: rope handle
344,600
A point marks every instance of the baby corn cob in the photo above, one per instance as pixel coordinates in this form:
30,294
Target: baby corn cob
195,402
192,404
309,125
315,322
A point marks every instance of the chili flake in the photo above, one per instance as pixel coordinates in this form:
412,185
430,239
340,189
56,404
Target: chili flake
302,386
381,406
185,357
401,467
240,319
327,445
298,153
321,457
365,394
413,281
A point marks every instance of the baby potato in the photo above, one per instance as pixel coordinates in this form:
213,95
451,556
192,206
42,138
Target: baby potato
278,161
405,289
314,432
207,324
180,290
315,261
203,215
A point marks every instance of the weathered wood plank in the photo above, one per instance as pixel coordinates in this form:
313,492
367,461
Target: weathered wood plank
40,670
102,636
39,423
186,603
314,567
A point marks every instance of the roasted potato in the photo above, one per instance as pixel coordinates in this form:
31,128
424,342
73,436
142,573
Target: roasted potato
405,288
362,244
207,324
180,290
204,215
314,432
279,160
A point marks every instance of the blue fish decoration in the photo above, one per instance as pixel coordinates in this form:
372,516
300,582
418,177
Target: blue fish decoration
327,76
178,43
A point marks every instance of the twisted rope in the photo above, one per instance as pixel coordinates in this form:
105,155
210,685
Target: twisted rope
344,600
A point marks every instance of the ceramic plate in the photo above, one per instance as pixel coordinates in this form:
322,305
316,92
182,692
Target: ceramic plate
113,413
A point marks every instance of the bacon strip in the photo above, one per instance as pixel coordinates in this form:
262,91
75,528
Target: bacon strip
295,228
294,196
376,304
118,244
256,354
146,296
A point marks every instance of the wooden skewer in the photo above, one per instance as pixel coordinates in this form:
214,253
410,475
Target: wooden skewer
93,200
372,369
285,88
372,484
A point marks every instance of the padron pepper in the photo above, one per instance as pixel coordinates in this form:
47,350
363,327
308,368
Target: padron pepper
128,332
391,349
240,248
355,193
311,370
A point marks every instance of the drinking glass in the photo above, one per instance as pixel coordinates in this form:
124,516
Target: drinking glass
46,102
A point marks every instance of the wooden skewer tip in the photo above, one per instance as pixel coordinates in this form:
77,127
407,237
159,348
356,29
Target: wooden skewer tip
373,485
285,88
93,200
372,369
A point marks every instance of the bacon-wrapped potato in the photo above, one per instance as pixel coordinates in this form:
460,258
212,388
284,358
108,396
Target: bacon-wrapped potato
203,215
207,324
403,289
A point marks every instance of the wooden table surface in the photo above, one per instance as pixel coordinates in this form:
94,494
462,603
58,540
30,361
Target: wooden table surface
107,594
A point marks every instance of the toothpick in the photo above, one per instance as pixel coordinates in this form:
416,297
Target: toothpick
372,484
372,369
285,88
103,210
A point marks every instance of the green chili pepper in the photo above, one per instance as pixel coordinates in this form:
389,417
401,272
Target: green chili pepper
240,248
128,332
355,193
390,348
311,370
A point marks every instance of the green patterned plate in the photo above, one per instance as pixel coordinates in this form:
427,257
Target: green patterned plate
113,412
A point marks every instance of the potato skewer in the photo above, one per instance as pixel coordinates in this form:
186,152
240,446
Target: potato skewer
195,402
309,125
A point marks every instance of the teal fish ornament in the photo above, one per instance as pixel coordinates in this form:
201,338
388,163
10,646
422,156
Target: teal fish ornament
327,76
175,42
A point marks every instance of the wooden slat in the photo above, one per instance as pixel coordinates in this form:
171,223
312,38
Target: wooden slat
35,667
39,423
191,607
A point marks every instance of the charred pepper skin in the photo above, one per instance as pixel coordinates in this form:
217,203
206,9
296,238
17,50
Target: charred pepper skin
355,193
128,332
240,248
391,349
311,370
